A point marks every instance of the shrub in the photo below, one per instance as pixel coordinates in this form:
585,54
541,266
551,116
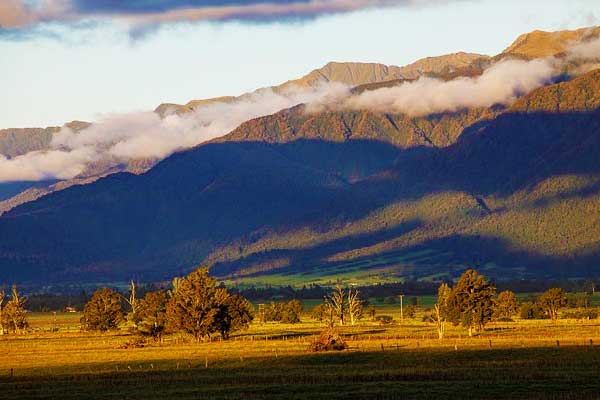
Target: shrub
531,310
329,339
410,312
581,314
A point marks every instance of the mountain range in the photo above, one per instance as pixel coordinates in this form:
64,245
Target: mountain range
310,196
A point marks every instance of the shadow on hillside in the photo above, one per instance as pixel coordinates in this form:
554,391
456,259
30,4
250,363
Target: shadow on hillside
177,213
446,257
318,253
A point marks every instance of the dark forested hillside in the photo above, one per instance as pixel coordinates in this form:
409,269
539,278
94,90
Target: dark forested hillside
353,193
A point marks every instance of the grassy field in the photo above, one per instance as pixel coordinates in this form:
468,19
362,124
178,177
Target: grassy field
522,359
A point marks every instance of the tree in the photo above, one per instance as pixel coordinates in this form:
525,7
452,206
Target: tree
103,311
13,313
579,300
506,305
196,305
236,314
291,312
288,313
551,301
441,310
355,306
322,312
471,301
274,312
337,302
410,312
531,310
371,312
150,316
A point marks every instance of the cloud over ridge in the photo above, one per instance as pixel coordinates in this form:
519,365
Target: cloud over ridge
120,138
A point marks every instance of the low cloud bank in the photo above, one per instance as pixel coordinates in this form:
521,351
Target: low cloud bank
118,139
586,50
502,83
40,165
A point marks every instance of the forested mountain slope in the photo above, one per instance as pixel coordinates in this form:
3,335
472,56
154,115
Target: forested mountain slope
356,194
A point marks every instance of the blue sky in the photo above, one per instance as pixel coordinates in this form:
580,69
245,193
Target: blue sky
92,59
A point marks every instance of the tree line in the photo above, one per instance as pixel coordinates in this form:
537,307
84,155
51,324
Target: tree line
195,305
472,303
383,292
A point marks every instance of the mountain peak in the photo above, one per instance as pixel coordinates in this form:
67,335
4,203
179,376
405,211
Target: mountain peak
539,43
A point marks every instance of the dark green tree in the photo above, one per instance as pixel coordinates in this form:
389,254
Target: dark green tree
274,312
196,305
551,302
322,313
410,312
291,312
150,314
471,301
103,311
579,300
235,314
506,305
371,312
531,310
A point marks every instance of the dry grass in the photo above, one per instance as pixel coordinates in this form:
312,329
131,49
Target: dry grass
508,360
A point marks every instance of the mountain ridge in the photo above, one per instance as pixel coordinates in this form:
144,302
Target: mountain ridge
315,195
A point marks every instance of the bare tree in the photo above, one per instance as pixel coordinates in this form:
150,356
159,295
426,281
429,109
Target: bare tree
133,304
355,308
337,303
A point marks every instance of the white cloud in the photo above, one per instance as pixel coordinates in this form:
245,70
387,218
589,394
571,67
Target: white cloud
40,165
499,84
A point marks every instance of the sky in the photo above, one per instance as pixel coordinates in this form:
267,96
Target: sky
63,60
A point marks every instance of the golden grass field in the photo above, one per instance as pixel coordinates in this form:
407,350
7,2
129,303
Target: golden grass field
520,359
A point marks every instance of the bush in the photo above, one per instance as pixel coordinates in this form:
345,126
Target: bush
410,312
581,314
531,310
329,339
